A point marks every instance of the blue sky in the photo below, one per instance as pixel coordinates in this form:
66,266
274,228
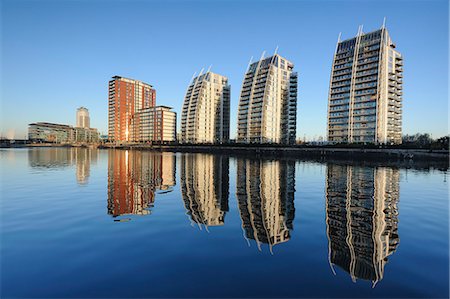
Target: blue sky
59,55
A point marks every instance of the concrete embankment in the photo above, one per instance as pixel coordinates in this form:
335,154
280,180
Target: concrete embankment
312,152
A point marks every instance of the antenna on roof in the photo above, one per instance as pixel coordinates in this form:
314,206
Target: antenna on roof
339,37
384,23
276,50
262,55
250,62
193,76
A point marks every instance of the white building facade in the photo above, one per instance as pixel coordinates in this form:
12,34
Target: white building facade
366,89
205,116
268,102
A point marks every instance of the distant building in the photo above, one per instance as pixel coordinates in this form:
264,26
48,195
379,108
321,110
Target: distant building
58,133
126,97
205,116
50,132
268,102
88,135
156,124
83,120
365,98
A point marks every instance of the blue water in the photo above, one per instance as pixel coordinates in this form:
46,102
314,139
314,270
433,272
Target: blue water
105,223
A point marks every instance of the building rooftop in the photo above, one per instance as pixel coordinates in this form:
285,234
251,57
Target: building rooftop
162,106
129,79
49,125
362,34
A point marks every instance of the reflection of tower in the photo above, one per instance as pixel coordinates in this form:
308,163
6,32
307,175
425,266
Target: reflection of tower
362,219
204,187
265,193
83,158
133,177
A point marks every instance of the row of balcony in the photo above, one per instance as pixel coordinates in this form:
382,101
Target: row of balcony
367,78
366,73
336,83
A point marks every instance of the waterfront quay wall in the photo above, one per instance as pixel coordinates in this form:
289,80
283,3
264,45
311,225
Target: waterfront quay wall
298,152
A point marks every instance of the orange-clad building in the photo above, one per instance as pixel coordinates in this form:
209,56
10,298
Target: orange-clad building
126,97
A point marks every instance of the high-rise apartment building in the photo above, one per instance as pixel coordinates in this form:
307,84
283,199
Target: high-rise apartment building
83,120
205,116
365,97
268,102
126,98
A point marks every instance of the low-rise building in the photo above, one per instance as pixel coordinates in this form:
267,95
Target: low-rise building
59,133
88,135
50,132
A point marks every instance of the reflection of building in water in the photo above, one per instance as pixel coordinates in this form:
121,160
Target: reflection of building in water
50,157
362,219
82,158
265,194
133,178
204,187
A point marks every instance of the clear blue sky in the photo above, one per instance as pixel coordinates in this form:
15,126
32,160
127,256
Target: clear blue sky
59,55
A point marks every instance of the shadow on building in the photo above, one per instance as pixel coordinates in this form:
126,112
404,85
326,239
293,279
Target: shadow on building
133,179
362,219
265,194
205,188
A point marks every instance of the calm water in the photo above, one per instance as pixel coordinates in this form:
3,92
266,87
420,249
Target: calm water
82,223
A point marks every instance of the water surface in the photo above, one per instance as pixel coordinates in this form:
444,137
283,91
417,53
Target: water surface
111,223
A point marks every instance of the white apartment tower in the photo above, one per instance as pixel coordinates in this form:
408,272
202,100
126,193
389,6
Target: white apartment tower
205,116
268,102
365,97
83,120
